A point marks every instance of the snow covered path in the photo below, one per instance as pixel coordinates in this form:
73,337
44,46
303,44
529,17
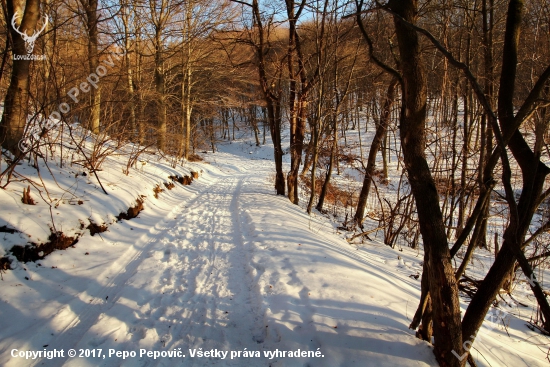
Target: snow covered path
194,288
234,268
222,265
231,267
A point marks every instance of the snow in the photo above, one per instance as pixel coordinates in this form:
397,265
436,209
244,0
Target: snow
222,265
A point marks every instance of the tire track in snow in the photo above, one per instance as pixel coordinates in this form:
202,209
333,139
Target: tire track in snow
196,289
221,304
127,265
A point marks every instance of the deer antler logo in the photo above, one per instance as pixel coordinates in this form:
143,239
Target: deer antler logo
29,40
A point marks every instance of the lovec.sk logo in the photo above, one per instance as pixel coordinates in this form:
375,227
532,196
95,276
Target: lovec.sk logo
29,40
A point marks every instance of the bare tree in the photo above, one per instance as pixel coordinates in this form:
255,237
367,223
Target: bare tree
126,11
91,22
442,283
160,12
381,128
270,83
25,16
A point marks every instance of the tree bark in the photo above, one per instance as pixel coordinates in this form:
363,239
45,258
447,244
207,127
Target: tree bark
16,103
159,87
159,16
274,116
90,7
125,16
442,283
381,129
534,173
186,102
296,102
271,93
328,174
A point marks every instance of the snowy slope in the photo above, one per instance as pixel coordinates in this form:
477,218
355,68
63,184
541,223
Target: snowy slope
224,265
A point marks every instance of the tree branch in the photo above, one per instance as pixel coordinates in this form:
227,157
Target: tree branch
377,61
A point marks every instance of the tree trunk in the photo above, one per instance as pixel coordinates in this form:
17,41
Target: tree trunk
137,78
424,300
159,17
271,92
296,104
308,157
159,87
254,124
90,7
299,87
129,73
328,175
442,283
16,103
274,116
186,84
534,174
486,130
381,129
314,144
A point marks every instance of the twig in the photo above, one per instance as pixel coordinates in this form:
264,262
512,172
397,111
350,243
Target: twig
89,163
477,350
365,233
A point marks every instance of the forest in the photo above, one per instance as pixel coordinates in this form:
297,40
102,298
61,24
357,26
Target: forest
452,96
